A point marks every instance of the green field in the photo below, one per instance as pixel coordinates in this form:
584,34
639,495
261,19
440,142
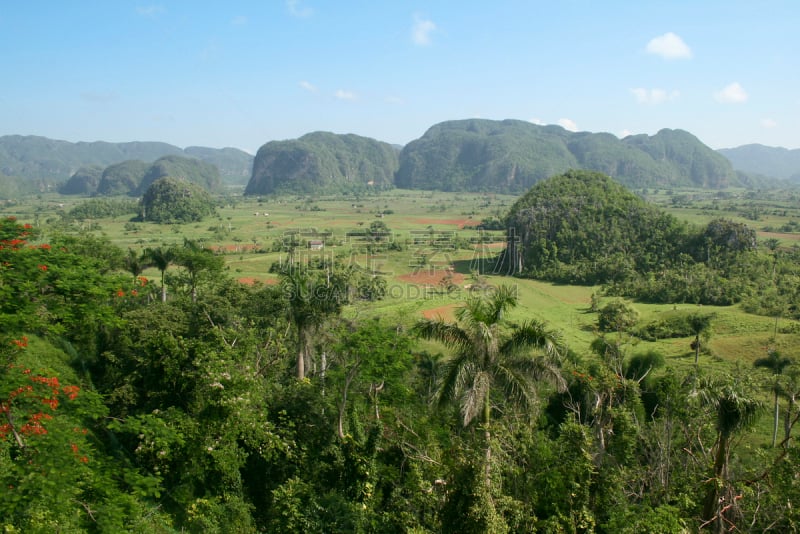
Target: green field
440,227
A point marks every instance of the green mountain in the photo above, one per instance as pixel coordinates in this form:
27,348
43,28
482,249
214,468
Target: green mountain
322,161
122,178
83,182
763,160
133,177
512,155
50,160
191,170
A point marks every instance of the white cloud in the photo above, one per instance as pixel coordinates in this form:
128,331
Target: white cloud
296,9
537,121
308,86
769,123
654,96
624,133
239,20
149,11
421,31
732,93
342,94
568,124
669,46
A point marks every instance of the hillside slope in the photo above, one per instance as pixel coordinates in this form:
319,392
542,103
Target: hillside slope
322,161
510,156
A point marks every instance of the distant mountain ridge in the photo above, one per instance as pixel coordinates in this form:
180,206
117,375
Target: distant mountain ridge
133,177
471,154
510,156
765,160
40,158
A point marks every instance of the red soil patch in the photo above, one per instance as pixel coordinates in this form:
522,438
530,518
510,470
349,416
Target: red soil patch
458,222
442,312
431,278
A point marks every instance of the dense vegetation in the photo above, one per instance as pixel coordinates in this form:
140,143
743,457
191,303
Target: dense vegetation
584,228
511,156
224,407
175,200
323,162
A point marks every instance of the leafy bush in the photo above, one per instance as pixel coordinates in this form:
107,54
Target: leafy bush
617,316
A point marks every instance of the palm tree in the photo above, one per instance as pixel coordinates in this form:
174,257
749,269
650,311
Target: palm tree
735,411
775,363
161,258
700,326
197,260
134,263
485,358
310,300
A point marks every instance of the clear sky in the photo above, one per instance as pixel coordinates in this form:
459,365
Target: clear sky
242,73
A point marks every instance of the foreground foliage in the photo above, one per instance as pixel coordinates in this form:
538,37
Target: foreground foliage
125,410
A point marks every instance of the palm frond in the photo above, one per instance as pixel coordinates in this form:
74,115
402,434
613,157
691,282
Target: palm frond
535,334
474,399
516,384
450,334
456,374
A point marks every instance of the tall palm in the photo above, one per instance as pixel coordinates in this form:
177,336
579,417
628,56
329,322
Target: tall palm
310,300
488,356
161,258
735,411
198,261
134,263
775,363
700,326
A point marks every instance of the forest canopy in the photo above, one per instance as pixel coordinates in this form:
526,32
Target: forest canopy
582,227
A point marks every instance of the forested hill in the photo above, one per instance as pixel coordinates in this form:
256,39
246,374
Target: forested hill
133,177
765,160
49,160
512,155
322,161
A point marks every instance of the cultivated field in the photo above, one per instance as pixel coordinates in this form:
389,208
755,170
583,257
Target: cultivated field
439,256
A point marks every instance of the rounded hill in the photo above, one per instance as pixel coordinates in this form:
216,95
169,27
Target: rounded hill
323,162
584,227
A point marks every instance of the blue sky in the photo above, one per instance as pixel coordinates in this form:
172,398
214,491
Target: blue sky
241,73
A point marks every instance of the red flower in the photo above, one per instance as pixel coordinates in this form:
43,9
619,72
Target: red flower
43,267
134,292
27,226
44,246
120,293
